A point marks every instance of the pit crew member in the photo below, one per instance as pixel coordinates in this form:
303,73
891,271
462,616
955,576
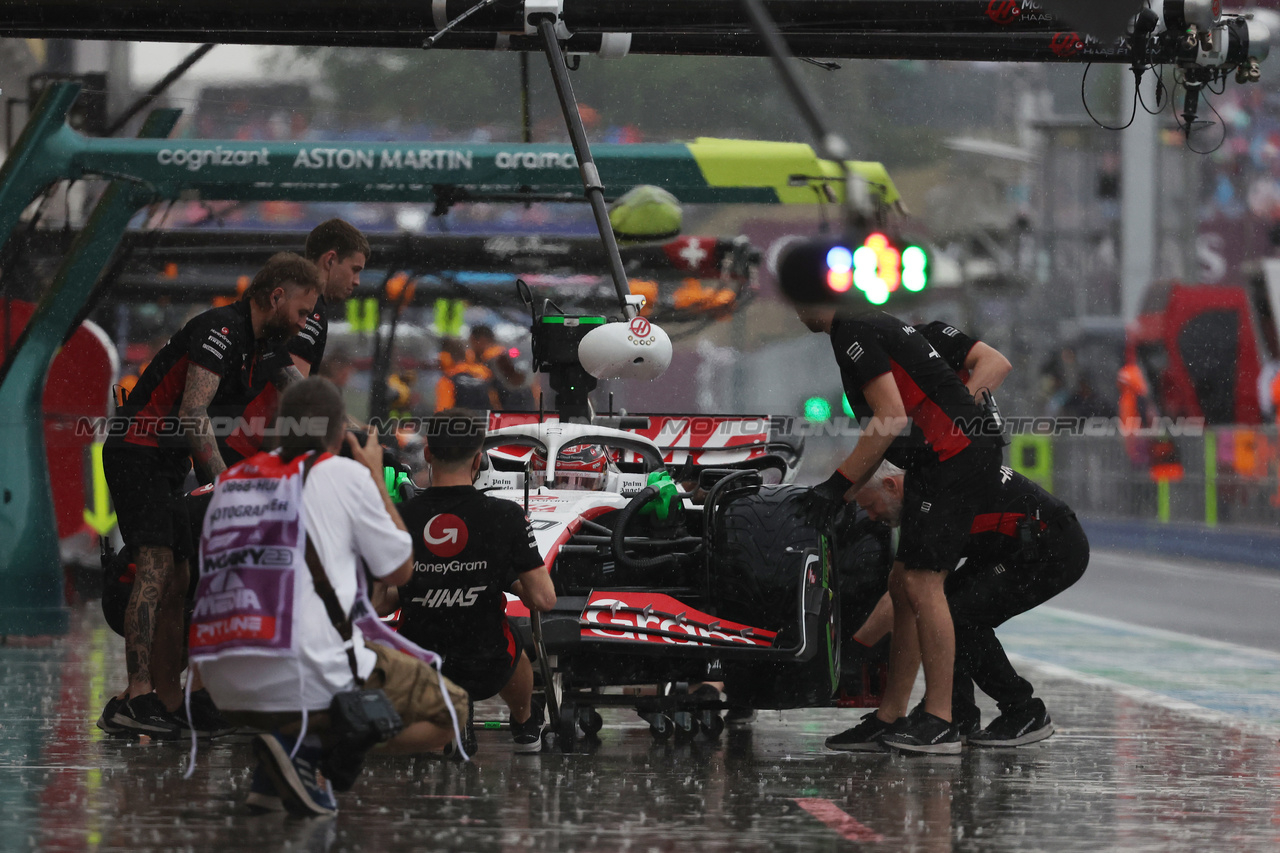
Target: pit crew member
924,420
510,383
340,252
468,550
1025,546
463,384
979,365
211,367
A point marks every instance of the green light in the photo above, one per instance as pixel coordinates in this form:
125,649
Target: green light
817,409
915,268
844,402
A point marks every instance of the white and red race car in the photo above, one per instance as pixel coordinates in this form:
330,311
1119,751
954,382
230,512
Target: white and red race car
693,562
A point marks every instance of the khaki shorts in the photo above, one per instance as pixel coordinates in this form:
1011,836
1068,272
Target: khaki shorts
414,688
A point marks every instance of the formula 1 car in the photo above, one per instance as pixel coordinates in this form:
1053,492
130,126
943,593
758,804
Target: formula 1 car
688,557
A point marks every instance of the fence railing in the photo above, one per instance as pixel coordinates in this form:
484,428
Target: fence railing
1225,476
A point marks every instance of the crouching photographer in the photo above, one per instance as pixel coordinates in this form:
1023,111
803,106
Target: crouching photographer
282,631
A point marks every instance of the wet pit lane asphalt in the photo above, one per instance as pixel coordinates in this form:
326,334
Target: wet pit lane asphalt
1129,770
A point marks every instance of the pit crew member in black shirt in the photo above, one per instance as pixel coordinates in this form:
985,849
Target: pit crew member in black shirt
468,550
212,367
923,419
1025,546
340,252
979,365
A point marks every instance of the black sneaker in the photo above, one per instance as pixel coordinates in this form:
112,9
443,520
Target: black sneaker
146,715
527,736
966,721
206,719
928,735
1027,724
864,737
106,720
739,718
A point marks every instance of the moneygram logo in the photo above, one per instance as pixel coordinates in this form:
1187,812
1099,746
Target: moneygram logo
1003,11
445,535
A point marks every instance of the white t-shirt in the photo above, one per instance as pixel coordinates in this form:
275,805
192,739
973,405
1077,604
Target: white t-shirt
345,519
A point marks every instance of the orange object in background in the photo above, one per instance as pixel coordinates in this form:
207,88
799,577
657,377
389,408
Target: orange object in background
242,284
693,294
649,290
1166,464
1250,459
396,288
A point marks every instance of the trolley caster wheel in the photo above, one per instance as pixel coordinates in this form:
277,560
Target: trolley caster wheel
567,726
661,727
685,725
590,721
711,723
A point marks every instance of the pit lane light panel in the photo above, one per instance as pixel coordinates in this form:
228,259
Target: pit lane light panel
876,270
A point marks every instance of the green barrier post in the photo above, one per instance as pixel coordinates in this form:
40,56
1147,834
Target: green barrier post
1032,457
1211,478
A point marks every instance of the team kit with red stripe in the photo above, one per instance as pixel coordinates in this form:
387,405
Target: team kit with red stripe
948,460
1025,546
468,549
309,344
148,461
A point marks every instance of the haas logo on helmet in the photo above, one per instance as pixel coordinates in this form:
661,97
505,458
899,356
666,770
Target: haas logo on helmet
445,535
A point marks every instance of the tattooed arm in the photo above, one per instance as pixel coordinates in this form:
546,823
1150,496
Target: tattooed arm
202,384
286,376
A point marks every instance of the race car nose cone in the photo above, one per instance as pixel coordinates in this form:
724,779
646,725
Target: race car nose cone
636,349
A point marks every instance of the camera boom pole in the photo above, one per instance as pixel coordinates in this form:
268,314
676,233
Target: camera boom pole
592,187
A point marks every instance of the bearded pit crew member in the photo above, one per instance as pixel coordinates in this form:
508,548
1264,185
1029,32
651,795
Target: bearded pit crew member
468,550
214,365
892,375
339,251
1025,546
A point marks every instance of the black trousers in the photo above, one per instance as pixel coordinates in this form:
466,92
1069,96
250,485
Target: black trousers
984,596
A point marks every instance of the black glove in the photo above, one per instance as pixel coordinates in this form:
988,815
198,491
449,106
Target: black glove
825,500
